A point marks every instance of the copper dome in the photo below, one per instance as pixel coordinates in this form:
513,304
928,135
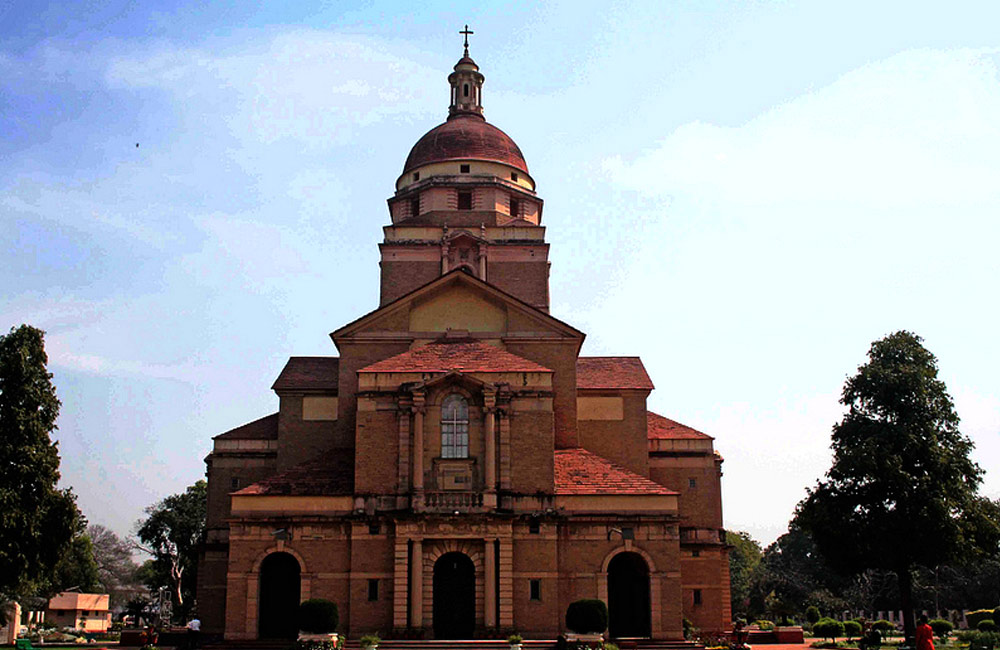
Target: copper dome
465,137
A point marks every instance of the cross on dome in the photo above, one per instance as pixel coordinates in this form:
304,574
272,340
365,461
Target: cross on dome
467,31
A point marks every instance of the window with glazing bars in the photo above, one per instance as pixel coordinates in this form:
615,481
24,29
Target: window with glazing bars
455,427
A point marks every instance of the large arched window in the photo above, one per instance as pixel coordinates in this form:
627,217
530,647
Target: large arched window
455,427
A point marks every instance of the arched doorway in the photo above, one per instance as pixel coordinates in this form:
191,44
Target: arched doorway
454,597
279,597
628,596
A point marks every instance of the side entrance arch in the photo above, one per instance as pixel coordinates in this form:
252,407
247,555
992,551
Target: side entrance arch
454,596
280,592
628,596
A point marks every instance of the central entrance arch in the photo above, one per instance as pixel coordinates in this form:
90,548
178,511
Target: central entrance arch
279,597
628,596
454,596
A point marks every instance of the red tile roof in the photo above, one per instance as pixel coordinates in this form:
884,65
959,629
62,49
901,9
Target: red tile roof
265,428
465,355
578,471
661,428
329,475
612,373
309,373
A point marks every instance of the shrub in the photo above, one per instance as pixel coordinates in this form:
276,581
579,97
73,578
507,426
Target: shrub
515,638
318,616
764,625
587,616
689,628
941,627
812,613
852,629
371,640
828,628
987,625
973,618
883,626
979,640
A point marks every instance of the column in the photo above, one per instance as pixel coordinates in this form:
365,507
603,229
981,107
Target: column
490,460
418,451
403,477
400,576
506,583
490,589
417,585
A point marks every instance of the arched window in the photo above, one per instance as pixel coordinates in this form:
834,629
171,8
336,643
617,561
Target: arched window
455,427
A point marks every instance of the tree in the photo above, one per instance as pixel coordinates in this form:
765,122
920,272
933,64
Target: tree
37,521
902,490
116,570
171,534
744,556
76,568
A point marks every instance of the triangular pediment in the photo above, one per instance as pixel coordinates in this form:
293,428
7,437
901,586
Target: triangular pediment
457,303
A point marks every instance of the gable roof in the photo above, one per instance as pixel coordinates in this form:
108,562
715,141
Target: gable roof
458,276
578,471
331,474
309,373
266,428
466,355
612,373
661,428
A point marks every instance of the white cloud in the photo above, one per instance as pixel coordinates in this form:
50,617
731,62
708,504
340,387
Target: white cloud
919,127
313,87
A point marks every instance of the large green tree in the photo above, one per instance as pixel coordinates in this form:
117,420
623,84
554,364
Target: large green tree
744,556
902,490
171,534
37,520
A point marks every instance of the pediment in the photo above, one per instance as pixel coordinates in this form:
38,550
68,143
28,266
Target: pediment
457,302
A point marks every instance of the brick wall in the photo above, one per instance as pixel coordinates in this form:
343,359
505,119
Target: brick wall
620,441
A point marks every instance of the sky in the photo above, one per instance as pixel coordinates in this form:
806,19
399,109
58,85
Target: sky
744,194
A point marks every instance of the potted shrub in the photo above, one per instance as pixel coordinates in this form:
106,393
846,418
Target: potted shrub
370,642
318,620
587,619
515,641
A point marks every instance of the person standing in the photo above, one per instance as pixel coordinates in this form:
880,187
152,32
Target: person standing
194,632
925,635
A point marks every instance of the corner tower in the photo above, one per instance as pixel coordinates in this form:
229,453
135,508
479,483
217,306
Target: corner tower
465,200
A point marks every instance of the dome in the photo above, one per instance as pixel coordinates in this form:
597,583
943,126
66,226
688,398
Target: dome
465,137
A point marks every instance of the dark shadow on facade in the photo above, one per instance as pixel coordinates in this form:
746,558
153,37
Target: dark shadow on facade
454,597
279,597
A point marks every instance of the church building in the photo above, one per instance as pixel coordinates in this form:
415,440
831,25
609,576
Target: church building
458,470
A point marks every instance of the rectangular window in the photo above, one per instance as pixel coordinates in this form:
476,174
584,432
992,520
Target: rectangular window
533,527
695,553
465,200
234,483
374,528
464,169
513,176
692,483
372,589
515,208
414,207
416,176
697,596
535,589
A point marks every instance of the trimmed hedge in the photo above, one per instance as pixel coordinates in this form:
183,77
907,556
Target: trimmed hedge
941,627
587,616
812,613
883,626
828,628
987,625
852,629
973,618
318,616
764,625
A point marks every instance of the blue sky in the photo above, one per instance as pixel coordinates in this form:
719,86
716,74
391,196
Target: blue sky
744,194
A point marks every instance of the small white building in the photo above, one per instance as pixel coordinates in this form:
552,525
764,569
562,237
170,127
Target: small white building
86,612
